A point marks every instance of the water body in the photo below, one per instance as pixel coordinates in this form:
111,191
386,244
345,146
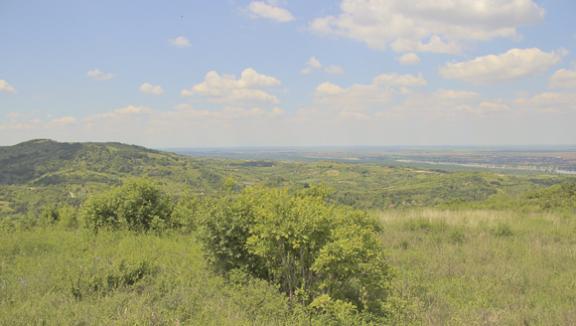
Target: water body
495,166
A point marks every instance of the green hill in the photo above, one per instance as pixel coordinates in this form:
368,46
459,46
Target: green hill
42,171
45,162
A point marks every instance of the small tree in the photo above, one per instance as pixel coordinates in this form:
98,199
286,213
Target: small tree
138,205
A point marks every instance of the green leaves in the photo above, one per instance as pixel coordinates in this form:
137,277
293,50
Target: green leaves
305,246
137,206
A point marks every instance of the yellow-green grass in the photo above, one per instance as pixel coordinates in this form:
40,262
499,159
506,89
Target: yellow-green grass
56,277
453,267
483,267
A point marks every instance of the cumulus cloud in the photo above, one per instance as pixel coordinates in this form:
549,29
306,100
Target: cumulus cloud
6,88
563,78
445,116
63,121
148,88
513,64
229,89
450,94
428,25
549,102
97,74
126,113
409,59
180,42
380,92
313,64
447,103
267,10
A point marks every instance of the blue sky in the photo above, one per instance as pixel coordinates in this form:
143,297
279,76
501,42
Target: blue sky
277,73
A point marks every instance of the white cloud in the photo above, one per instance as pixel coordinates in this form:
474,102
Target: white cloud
380,92
127,112
97,74
449,94
334,69
493,107
400,80
313,64
428,25
6,88
513,64
63,121
151,89
180,41
262,9
409,59
328,88
549,102
228,113
391,117
563,78
227,89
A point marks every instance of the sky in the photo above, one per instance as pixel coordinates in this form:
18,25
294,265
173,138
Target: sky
289,73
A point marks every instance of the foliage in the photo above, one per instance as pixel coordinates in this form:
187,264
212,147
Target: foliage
138,205
556,196
308,248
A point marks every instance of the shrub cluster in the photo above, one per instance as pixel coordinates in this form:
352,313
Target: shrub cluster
321,255
138,205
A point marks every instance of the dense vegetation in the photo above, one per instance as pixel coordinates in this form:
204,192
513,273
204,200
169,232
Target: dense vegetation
217,242
42,172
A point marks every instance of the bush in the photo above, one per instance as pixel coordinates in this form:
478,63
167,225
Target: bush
138,206
186,213
556,197
306,247
62,215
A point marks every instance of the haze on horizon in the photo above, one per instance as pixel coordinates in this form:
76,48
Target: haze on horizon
289,73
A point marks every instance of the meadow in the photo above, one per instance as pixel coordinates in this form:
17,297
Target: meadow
467,267
484,267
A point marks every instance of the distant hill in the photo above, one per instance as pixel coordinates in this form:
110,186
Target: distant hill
39,172
42,171
45,162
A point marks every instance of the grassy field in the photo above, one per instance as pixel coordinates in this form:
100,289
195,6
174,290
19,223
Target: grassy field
58,277
482,267
467,267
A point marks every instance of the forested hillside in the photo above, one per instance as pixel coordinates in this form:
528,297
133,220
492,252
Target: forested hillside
40,171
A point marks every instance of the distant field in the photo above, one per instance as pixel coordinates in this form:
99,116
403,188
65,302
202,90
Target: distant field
536,159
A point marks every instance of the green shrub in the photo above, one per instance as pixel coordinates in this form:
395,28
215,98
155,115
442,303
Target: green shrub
68,217
138,205
122,277
301,244
562,196
49,215
186,214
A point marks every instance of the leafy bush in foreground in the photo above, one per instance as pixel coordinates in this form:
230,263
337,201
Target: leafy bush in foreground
138,205
318,254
